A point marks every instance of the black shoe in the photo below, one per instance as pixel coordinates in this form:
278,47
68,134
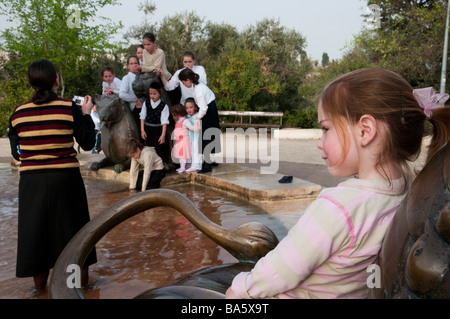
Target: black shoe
206,168
286,180
214,164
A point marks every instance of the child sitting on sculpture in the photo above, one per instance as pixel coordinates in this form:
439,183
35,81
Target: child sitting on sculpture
126,92
373,126
153,173
111,84
153,57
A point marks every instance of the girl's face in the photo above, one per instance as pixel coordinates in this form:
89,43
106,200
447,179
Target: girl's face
154,95
190,108
149,46
188,62
108,77
133,66
340,163
176,117
187,83
140,53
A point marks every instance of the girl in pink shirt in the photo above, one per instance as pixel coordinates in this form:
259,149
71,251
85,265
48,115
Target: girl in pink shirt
373,125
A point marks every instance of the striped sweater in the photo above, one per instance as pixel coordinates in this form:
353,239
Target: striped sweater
42,136
327,253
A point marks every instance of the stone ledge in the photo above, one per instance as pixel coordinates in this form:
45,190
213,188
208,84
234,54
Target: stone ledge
241,181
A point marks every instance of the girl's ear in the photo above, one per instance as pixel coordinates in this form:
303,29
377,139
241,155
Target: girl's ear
367,129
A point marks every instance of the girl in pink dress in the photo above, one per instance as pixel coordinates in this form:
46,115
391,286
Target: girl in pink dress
182,147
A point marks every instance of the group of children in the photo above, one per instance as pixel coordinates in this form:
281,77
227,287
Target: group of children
153,114
373,125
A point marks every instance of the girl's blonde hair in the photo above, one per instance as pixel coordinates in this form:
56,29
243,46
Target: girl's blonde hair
389,98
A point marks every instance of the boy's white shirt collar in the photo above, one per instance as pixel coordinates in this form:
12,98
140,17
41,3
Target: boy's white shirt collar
155,104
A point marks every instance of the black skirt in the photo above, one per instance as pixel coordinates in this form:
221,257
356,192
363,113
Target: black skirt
53,207
211,120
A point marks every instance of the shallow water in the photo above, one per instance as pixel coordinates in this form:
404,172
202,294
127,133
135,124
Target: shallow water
154,248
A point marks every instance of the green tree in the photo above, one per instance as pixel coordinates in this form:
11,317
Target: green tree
239,75
287,60
60,31
177,34
409,39
325,59
216,36
136,32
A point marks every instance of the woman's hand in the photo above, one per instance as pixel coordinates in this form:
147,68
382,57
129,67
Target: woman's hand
87,105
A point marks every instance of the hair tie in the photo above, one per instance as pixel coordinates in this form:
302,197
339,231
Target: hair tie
429,100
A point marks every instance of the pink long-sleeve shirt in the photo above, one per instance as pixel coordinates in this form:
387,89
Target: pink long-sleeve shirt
327,253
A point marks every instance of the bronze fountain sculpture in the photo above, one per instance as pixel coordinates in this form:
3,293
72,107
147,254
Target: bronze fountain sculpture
414,259
118,127
248,244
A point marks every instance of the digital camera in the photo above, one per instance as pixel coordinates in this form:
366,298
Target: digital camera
79,100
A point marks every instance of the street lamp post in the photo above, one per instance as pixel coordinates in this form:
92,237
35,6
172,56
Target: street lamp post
445,55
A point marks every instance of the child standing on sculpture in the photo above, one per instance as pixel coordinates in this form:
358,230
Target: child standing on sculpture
153,173
126,92
154,121
153,57
182,148
111,84
373,126
194,136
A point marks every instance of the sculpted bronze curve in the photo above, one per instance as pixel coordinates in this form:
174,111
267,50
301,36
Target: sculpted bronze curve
247,243
118,127
415,257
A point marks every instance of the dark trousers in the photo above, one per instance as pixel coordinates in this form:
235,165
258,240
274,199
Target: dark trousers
155,179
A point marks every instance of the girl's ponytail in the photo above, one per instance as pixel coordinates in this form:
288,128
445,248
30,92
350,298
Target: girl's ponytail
439,116
441,130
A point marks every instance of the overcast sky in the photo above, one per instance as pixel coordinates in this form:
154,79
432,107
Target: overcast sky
328,25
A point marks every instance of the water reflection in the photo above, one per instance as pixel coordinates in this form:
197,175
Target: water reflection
154,248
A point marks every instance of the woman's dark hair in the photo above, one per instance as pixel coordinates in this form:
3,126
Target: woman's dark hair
188,74
42,78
